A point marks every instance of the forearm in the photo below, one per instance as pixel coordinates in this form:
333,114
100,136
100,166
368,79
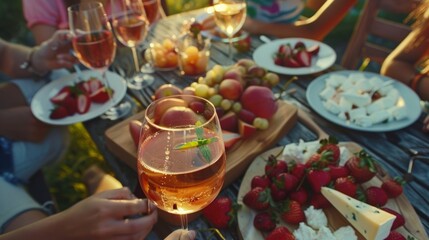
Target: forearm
13,56
46,229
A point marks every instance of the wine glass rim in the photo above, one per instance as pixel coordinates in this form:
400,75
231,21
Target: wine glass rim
178,96
89,6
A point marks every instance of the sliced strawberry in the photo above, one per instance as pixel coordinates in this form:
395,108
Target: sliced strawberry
63,94
100,95
314,50
303,58
291,62
83,103
94,84
59,112
299,45
70,104
83,87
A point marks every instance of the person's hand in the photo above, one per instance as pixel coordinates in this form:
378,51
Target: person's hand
20,124
181,234
106,215
54,53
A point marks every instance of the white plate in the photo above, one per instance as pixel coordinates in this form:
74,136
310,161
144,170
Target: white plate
264,57
41,106
411,99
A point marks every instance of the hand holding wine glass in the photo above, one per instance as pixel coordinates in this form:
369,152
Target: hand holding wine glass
181,154
229,17
131,26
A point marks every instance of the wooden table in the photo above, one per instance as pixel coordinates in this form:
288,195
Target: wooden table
390,149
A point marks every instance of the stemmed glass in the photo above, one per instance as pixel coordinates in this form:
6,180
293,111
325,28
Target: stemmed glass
229,16
152,11
131,26
93,42
181,155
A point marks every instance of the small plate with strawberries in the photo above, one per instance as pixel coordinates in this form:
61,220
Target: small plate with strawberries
69,100
295,56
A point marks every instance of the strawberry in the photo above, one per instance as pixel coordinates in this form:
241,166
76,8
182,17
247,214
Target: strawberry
395,236
221,213
100,95
274,167
393,187
303,58
318,178
286,181
260,181
243,45
346,185
338,171
59,112
361,166
313,50
399,220
93,84
319,160
257,198
291,62
285,50
299,195
83,87
280,233
70,104
83,103
330,144
277,193
319,201
291,212
297,169
299,45
264,222
195,28
376,196
63,94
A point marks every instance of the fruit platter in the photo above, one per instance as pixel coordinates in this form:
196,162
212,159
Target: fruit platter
303,191
251,117
295,56
69,100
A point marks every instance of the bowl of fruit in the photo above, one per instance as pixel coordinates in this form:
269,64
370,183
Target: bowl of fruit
163,54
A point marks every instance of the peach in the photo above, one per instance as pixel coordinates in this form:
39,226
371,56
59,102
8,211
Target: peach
230,89
165,104
260,100
178,116
167,90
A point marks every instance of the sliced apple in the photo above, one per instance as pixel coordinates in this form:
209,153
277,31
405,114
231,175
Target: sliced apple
229,122
246,130
230,138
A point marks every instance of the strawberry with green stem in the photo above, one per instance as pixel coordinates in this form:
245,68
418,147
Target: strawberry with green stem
222,212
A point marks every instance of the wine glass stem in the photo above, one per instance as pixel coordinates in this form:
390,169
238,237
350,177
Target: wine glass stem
104,78
136,59
184,221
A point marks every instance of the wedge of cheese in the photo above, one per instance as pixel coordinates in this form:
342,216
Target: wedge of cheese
373,223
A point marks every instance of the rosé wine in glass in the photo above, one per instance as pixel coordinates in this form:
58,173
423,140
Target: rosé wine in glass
181,155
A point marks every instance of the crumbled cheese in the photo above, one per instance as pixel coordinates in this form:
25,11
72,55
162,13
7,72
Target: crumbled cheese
304,232
315,218
300,151
325,233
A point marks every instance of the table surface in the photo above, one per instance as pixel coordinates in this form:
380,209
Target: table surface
390,149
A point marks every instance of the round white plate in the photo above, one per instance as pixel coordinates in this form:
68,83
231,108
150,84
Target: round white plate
264,57
412,101
41,106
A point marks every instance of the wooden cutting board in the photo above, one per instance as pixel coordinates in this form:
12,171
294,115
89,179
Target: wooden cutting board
239,156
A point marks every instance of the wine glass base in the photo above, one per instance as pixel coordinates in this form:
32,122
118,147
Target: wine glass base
122,109
140,81
147,68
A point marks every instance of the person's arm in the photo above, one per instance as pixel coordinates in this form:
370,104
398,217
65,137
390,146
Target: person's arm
316,27
51,54
101,216
401,62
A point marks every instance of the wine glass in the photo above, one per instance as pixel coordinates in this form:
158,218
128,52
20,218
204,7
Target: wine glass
229,16
94,44
181,154
131,26
152,11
